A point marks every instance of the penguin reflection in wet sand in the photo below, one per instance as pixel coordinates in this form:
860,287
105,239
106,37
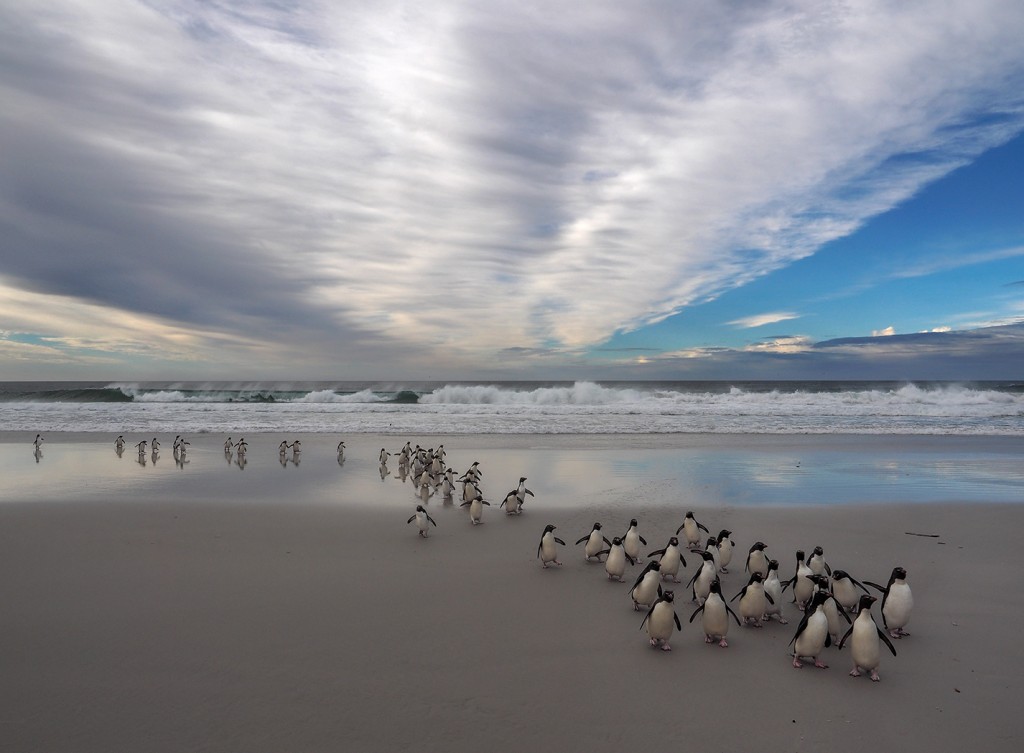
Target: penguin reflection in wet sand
423,520
595,543
660,620
812,636
864,648
897,601
715,617
546,549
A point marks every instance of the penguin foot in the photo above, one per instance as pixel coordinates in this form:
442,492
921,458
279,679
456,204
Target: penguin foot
796,663
855,672
819,663
758,623
708,639
654,641
874,675
666,647
723,643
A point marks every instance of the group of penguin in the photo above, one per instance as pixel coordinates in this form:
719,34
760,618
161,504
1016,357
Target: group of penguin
824,596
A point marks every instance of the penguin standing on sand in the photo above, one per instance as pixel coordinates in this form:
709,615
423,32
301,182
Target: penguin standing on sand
897,601
831,607
725,546
773,588
615,562
476,509
341,451
522,491
691,530
660,621
802,586
844,587
423,520
631,541
701,581
757,560
754,601
647,588
595,543
816,562
511,503
119,443
546,549
37,442
671,559
864,648
382,457
811,637
715,616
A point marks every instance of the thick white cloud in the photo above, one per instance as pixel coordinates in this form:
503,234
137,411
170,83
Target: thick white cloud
395,180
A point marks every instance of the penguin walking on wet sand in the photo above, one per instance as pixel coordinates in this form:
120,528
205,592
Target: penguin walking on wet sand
715,616
816,562
660,620
631,541
38,442
595,543
811,637
522,491
773,588
725,547
546,549
757,560
754,601
341,450
864,648
897,602
448,484
844,587
701,581
671,558
647,588
423,520
382,456
615,562
141,447
476,509
119,442
691,529
511,503
800,582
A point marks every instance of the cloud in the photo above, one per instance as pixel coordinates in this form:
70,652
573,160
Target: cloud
344,188
887,332
760,320
786,344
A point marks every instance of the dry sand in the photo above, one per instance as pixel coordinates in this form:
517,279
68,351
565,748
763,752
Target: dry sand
191,613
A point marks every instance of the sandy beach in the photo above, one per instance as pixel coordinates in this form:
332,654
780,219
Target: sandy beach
290,607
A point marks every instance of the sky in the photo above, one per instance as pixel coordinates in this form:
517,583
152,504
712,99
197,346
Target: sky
491,190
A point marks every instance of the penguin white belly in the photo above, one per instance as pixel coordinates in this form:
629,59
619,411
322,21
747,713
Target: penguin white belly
715,618
758,563
832,617
725,554
476,511
661,622
864,644
845,593
631,544
548,553
646,590
897,607
670,563
753,603
691,532
803,589
702,586
773,588
811,641
422,523
615,565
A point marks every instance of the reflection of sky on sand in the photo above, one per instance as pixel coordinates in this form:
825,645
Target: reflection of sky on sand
560,477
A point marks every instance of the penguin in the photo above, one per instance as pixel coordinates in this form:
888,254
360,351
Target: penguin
897,602
448,484
631,541
423,519
831,607
38,441
700,583
725,545
511,504
647,588
691,530
671,559
546,550
757,560
660,620
817,562
844,587
383,456
811,637
229,446
773,588
615,562
802,587
522,491
864,649
594,541
282,449
141,447
712,546
469,490
296,449
476,509
754,601
119,442
715,617
341,450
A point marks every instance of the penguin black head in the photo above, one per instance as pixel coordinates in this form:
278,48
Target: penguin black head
689,514
799,555
820,597
773,565
759,546
673,541
616,541
632,522
655,566
708,556
755,577
724,534
839,574
667,596
898,572
597,526
716,587
419,508
819,580
866,600
521,478
818,550
712,542
549,528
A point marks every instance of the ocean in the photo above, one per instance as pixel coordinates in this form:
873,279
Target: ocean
457,408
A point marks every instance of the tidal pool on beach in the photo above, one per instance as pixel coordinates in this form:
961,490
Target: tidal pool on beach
698,471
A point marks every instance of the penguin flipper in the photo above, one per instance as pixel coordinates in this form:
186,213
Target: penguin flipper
694,578
643,540
432,521
631,561
857,583
842,641
559,541
648,615
603,551
769,597
701,527
679,627
696,611
828,639
410,520
606,541
465,504
880,589
800,628
729,609
884,637
839,608
828,569
530,493
742,591
582,539
656,551
680,528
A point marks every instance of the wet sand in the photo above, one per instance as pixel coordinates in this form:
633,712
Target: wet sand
209,607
